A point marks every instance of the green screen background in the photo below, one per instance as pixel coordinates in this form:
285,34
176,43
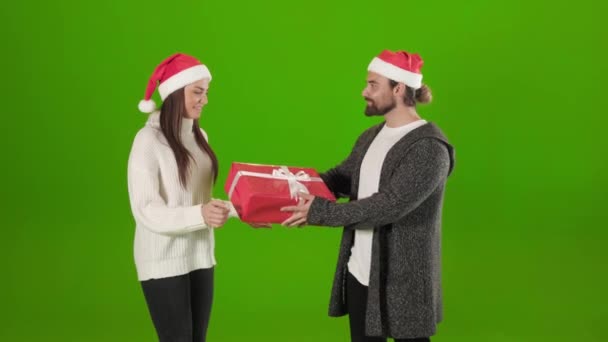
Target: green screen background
519,88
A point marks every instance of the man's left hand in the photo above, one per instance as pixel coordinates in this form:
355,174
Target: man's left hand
300,211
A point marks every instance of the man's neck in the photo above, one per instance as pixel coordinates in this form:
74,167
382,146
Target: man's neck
401,116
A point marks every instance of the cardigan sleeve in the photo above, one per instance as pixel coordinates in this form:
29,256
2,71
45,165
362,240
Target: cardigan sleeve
339,178
424,167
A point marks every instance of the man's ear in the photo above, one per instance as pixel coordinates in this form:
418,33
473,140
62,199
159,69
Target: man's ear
399,89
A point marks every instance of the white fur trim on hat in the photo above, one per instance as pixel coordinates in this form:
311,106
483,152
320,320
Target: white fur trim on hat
182,79
395,73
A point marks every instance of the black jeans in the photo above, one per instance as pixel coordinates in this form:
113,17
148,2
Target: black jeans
180,306
356,299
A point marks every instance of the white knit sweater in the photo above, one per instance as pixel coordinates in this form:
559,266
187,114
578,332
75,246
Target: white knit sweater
171,237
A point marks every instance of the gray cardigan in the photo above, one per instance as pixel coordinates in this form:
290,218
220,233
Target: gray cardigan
404,294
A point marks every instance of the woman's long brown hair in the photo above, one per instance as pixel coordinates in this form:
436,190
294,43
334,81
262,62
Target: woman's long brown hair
171,114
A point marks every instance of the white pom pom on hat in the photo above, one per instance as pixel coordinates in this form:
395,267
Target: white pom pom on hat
146,106
175,72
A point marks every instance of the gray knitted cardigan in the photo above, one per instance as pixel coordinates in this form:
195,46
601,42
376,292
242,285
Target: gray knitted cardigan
404,294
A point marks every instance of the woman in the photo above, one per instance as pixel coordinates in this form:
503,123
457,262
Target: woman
171,173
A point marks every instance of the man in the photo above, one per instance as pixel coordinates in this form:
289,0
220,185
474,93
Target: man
388,274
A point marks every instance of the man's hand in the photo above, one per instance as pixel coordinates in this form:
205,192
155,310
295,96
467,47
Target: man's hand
300,211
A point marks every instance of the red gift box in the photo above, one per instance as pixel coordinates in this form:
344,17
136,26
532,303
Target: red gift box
258,192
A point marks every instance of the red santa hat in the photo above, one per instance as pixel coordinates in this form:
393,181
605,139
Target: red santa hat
175,72
399,66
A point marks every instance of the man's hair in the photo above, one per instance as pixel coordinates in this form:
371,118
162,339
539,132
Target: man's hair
414,96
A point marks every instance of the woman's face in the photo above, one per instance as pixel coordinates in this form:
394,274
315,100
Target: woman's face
196,98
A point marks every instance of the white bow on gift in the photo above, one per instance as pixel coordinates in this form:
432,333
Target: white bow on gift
293,180
282,172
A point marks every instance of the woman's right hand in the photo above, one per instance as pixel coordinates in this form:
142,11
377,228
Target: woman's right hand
215,213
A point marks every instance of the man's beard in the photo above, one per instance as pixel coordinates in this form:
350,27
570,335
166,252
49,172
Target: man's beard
373,110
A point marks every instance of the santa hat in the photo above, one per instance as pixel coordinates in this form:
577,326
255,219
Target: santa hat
399,66
175,72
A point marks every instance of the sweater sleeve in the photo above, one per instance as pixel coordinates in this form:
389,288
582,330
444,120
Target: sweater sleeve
147,205
421,171
338,179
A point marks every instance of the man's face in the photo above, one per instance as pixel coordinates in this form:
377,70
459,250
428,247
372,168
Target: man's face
378,94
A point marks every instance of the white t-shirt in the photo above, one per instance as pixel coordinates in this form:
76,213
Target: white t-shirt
369,180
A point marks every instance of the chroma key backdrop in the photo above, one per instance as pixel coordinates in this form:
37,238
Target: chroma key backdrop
519,89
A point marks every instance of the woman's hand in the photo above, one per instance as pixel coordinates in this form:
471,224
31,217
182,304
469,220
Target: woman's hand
215,213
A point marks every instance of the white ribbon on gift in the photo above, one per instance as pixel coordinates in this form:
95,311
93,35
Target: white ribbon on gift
282,172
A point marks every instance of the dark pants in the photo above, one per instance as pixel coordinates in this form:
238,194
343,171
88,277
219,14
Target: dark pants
180,306
356,299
